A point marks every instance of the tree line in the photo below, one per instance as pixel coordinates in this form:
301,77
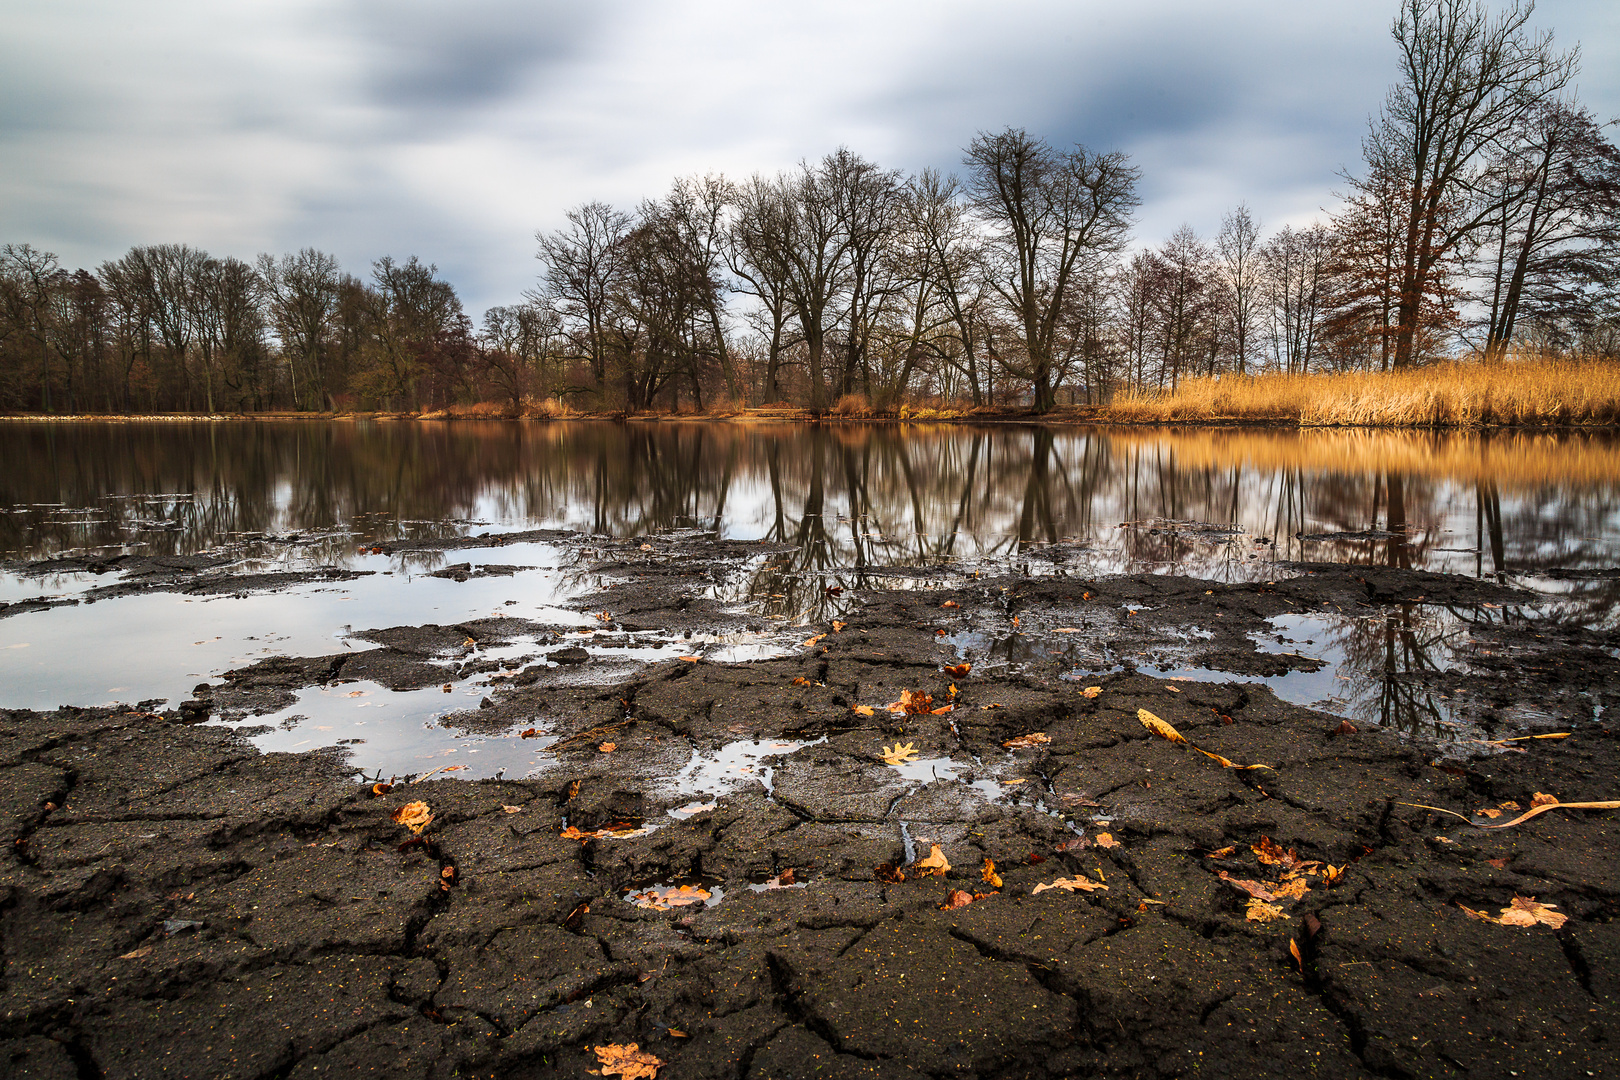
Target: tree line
1486,215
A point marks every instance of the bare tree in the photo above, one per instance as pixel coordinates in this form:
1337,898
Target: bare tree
1468,79
303,293
580,262
1237,265
1049,214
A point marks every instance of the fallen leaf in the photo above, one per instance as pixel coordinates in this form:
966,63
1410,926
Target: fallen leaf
1158,726
378,789
445,688
358,693
1224,853
469,644
1015,620
834,590
950,604
959,671
1024,742
911,703
415,816
1272,853
988,875
602,616
1104,840
608,748
1524,911
943,709
1226,762
529,733
1509,805
1293,890
1066,630
1536,808
136,954
664,899
616,831
1256,889
677,1033
808,642
1092,691
936,862
1074,884
1260,911
1173,689
1498,863
1293,949
838,627
801,681
646,547
956,898
863,710
939,633
887,874
992,705
1332,874
1490,812
627,1061
690,659
899,753
512,809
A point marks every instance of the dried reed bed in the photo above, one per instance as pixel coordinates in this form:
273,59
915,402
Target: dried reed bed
1513,460
1532,391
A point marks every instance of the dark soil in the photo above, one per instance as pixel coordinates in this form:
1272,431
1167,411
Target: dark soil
176,904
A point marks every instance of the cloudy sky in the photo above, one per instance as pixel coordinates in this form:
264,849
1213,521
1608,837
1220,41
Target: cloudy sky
455,129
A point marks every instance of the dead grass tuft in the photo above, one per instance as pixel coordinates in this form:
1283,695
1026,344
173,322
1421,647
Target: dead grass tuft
1530,391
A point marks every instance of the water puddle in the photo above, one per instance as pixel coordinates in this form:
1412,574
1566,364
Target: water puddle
733,766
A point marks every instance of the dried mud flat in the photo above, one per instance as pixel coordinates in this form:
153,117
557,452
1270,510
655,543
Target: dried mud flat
177,904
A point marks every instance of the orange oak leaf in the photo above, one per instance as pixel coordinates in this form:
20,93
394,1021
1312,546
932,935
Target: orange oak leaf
627,1061
415,816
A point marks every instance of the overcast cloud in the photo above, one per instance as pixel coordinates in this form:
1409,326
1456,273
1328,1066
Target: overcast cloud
454,130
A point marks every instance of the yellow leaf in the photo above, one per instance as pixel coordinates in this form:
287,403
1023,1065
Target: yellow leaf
1105,840
1291,891
988,875
1066,630
864,710
1158,726
608,748
1226,762
415,816
627,1062
950,604
690,659
813,640
136,954
1260,911
936,862
1074,884
512,809
959,671
1293,949
911,703
1024,742
802,681
838,627
1525,911
1092,691
664,899
899,753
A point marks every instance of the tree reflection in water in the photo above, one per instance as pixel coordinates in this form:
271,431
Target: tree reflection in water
854,501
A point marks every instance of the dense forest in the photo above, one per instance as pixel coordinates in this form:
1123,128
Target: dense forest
1485,216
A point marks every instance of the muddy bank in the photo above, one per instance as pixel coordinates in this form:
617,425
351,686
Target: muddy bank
176,903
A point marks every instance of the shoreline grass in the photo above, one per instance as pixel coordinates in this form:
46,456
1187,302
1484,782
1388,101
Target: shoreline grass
1530,392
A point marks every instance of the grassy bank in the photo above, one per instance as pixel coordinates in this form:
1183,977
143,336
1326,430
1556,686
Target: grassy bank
1535,391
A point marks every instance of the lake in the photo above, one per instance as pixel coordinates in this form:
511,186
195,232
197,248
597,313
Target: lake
862,505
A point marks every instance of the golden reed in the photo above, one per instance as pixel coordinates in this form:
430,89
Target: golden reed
1524,391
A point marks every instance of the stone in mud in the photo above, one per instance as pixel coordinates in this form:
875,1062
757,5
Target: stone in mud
574,654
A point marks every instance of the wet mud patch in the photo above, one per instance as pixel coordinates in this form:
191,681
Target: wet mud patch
936,836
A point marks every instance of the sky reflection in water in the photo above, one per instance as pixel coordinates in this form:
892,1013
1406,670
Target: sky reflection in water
853,500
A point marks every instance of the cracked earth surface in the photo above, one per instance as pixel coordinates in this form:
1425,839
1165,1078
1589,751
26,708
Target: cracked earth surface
174,903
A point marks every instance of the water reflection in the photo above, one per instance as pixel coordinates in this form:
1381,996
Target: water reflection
853,501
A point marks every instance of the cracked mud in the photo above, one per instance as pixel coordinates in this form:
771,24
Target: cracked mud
176,903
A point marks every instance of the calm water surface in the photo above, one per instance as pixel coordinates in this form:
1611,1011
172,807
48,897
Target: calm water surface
1535,510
